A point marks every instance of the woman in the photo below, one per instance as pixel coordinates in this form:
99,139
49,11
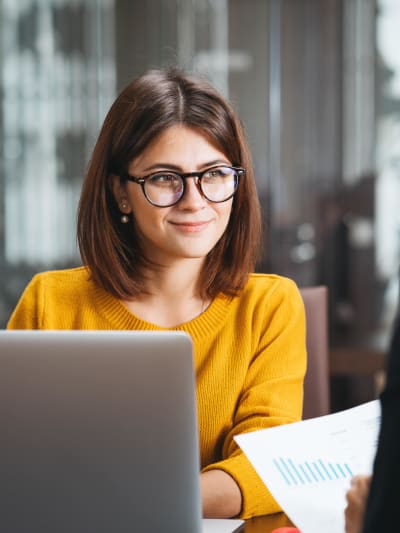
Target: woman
169,232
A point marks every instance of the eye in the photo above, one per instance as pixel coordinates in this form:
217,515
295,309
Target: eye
164,179
217,173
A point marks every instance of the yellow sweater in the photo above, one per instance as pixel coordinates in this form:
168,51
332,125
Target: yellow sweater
250,358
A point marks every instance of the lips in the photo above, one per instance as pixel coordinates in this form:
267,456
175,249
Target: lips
191,226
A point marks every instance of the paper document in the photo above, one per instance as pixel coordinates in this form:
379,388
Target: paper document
308,465
211,525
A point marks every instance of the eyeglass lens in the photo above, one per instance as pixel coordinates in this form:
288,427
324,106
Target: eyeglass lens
166,188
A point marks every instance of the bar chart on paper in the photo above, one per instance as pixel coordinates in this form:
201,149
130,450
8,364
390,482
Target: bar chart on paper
312,471
307,466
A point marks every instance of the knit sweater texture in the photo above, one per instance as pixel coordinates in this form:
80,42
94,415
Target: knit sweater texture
249,351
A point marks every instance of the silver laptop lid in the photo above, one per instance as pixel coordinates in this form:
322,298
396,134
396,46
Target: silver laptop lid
98,433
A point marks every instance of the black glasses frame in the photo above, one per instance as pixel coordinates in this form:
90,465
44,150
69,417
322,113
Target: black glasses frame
199,175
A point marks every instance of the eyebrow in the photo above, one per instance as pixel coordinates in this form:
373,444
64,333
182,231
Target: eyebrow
177,168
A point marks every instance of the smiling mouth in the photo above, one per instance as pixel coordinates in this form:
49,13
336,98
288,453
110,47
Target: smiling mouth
191,227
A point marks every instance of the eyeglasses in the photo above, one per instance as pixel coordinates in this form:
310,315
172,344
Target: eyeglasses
166,188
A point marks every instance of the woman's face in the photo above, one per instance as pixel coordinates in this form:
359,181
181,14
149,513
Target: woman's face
192,227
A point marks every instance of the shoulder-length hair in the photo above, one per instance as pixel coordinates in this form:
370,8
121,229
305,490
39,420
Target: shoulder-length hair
146,107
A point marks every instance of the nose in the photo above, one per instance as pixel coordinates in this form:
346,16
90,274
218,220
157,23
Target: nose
192,198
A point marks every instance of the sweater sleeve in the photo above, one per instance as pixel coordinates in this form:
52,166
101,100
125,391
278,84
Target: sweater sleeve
273,390
29,310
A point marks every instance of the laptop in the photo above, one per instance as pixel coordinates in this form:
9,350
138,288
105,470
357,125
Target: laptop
98,433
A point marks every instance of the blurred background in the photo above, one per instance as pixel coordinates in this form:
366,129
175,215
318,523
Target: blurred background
317,85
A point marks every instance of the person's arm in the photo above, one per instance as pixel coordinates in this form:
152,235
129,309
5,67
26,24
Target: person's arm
382,505
372,501
356,498
272,390
221,496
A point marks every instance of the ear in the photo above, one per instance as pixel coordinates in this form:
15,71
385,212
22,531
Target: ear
118,188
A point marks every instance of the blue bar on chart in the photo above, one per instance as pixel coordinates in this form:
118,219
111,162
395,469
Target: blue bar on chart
315,471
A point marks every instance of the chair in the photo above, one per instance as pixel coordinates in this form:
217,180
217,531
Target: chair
316,383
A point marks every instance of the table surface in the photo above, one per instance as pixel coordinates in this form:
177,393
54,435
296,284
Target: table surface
265,524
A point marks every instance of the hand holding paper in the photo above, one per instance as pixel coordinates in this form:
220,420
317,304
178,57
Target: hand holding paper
308,465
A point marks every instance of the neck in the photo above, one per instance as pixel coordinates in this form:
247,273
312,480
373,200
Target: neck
172,295
175,281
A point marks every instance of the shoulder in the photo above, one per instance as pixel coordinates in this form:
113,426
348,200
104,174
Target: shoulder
49,296
62,278
61,282
271,286
272,294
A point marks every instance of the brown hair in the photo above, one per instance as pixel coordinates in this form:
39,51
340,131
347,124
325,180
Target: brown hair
145,108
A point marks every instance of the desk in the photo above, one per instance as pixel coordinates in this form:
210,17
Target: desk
265,524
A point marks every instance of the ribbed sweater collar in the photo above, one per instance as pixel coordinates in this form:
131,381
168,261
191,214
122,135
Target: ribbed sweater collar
120,318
